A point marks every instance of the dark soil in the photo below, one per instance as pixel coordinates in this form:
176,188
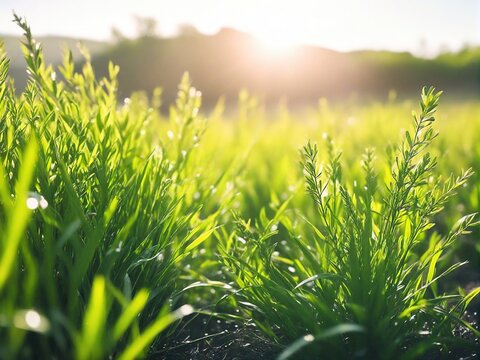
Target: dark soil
206,338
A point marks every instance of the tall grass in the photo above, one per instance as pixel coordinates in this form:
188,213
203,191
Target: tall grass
361,282
95,218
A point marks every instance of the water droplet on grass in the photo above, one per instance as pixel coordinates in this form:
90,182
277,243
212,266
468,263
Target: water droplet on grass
32,203
242,240
35,200
43,203
31,320
185,310
308,338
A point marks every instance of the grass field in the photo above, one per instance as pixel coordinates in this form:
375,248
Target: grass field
341,228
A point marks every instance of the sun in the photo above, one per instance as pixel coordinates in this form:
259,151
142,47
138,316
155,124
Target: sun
276,43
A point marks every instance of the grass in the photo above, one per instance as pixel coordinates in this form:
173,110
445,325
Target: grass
362,280
102,255
116,222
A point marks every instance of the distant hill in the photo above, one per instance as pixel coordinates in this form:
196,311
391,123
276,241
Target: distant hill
224,63
53,47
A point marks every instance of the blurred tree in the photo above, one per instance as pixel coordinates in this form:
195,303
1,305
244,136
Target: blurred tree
188,30
423,47
146,26
116,35
444,49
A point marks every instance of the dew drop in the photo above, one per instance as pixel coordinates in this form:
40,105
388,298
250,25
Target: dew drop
308,338
31,320
43,203
32,203
242,240
35,200
185,310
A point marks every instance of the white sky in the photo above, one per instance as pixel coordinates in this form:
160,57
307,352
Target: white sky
338,24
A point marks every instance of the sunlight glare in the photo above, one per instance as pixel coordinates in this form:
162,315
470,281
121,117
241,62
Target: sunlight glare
276,43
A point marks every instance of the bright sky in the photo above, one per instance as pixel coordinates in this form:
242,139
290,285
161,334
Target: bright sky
414,25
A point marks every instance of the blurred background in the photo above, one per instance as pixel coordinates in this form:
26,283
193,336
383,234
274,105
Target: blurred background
297,50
